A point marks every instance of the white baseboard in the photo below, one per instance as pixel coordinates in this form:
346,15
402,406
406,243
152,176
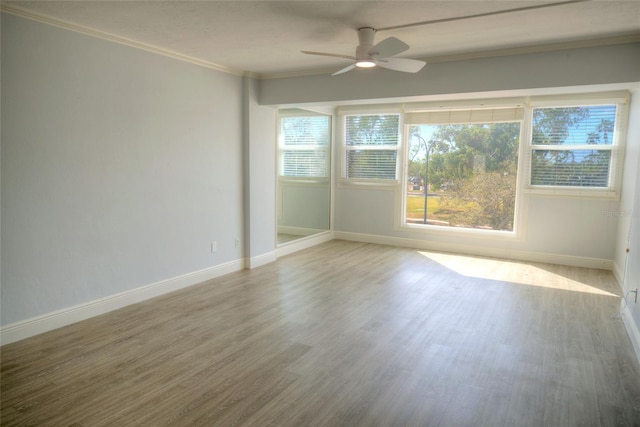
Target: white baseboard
632,330
468,249
303,243
260,260
47,322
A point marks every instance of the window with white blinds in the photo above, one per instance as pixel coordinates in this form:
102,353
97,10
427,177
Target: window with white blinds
572,146
371,146
304,146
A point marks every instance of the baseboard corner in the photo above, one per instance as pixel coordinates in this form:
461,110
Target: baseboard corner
260,260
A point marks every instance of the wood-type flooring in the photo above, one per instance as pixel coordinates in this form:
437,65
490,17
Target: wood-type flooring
343,334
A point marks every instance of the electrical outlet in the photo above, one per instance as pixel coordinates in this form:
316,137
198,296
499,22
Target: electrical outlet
214,247
237,243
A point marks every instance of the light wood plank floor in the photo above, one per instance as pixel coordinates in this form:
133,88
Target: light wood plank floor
343,334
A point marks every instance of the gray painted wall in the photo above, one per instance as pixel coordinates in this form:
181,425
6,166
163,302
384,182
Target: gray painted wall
633,267
119,167
259,174
629,213
570,227
571,67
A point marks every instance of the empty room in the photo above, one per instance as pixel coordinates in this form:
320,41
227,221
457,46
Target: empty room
319,213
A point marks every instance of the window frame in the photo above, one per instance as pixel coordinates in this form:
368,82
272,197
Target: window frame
471,108
343,179
612,191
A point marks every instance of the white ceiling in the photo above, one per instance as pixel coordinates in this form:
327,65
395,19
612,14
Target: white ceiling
266,37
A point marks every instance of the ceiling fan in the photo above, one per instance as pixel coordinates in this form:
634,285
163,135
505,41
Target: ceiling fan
369,55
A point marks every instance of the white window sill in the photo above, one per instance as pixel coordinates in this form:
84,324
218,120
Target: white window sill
373,184
303,180
591,193
459,231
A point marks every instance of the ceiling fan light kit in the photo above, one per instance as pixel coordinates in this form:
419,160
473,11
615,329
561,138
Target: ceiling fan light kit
365,64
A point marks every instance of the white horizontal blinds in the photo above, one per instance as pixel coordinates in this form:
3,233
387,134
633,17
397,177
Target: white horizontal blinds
304,145
571,168
372,129
584,125
304,163
305,130
372,164
371,144
465,116
572,146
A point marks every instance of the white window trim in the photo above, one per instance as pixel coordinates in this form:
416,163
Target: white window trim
383,184
517,233
621,100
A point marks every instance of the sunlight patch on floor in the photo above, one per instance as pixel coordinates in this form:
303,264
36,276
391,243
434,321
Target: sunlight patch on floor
521,273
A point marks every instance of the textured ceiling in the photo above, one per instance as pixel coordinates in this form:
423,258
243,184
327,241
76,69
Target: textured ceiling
266,37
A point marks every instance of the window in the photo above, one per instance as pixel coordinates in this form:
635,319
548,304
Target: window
462,168
371,146
572,146
304,145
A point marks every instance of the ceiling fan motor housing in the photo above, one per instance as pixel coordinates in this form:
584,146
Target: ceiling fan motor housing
366,36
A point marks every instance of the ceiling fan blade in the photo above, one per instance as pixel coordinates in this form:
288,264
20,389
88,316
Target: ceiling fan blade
388,47
336,55
344,70
402,64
